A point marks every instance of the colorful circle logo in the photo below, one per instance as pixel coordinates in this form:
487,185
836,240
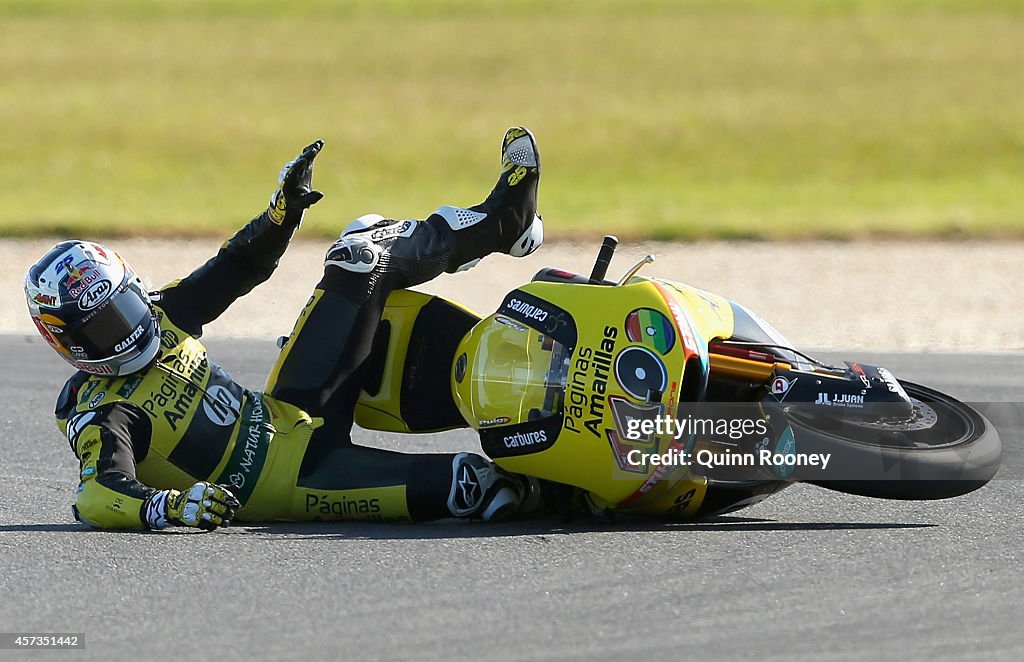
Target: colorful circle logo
651,329
640,372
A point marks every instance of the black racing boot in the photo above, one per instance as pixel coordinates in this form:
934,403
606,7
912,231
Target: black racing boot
507,221
480,490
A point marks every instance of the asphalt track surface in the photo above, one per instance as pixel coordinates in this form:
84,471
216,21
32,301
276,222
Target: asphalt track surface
806,574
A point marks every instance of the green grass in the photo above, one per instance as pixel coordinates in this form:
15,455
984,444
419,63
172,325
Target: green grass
665,119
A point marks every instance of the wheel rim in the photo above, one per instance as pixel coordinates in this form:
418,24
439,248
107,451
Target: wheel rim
922,417
935,422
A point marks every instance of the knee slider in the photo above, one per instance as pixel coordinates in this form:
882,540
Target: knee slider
353,253
363,241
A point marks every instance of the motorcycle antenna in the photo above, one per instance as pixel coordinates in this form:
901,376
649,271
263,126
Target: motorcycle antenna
604,258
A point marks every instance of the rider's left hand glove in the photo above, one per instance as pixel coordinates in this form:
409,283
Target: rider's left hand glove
294,194
204,505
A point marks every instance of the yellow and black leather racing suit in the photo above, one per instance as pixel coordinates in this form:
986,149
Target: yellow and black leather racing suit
286,453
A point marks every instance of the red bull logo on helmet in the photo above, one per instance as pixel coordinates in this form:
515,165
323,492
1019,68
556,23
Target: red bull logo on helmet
80,278
84,265
80,264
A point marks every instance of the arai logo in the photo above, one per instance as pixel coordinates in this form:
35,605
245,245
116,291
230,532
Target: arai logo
95,295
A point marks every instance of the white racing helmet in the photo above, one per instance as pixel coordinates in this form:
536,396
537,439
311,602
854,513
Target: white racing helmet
90,306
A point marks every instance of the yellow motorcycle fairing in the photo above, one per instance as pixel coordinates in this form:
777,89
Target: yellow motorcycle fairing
710,314
553,378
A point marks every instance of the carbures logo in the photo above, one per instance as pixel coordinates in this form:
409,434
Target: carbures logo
521,439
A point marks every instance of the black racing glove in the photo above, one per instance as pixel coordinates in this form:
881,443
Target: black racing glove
294,194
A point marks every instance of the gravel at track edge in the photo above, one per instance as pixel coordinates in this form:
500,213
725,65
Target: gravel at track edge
914,296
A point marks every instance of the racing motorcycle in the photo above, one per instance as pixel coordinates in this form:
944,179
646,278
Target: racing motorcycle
651,396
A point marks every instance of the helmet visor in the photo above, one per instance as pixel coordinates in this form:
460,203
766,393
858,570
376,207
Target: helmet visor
122,323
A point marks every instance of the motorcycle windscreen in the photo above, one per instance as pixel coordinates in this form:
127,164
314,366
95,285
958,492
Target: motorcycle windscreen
514,374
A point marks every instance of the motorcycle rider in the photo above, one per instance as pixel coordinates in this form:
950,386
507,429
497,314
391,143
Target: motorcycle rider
165,437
